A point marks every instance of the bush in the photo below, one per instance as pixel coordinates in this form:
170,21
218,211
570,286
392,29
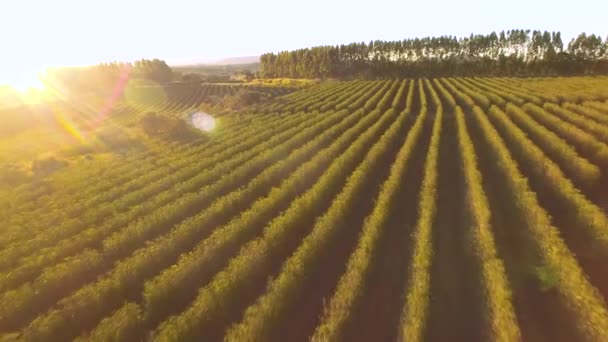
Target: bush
154,124
244,98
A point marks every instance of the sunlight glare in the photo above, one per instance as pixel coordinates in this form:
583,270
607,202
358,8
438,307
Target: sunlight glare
23,79
203,121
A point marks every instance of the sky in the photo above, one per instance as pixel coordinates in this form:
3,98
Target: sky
35,34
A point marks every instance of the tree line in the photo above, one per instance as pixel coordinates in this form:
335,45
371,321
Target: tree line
106,75
510,53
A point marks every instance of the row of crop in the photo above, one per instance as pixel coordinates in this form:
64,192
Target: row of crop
314,101
588,216
483,96
354,97
597,105
490,88
582,121
401,101
302,92
391,99
178,96
578,168
515,84
197,267
226,294
147,261
320,94
459,96
132,236
60,279
168,195
343,97
53,195
588,125
562,89
217,249
482,99
178,237
168,153
373,93
25,194
504,86
588,112
379,99
145,182
361,102
584,141
270,310
501,321
317,95
319,98
414,316
165,189
579,299
585,144
352,284
124,178
590,219
583,171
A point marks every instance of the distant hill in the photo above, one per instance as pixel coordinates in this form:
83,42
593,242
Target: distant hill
223,71
237,60
245,60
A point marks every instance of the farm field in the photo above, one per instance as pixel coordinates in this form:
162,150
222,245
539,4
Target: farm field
457,208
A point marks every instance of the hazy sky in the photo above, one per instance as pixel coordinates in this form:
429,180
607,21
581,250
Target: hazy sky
36,34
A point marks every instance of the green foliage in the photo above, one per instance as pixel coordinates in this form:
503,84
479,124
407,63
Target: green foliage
546,277
154,124
580,169
154,70
414,317
499,311
226,240
352,284
216,300
123,325
269,311
166,249
576,136
225,235
515,52
244,98
577,295
106,78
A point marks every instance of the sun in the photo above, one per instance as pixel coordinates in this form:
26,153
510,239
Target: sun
25,82
23,79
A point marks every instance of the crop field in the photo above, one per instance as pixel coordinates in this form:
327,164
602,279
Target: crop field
444,209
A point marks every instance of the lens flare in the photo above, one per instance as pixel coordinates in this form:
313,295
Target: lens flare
71,128
203,121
